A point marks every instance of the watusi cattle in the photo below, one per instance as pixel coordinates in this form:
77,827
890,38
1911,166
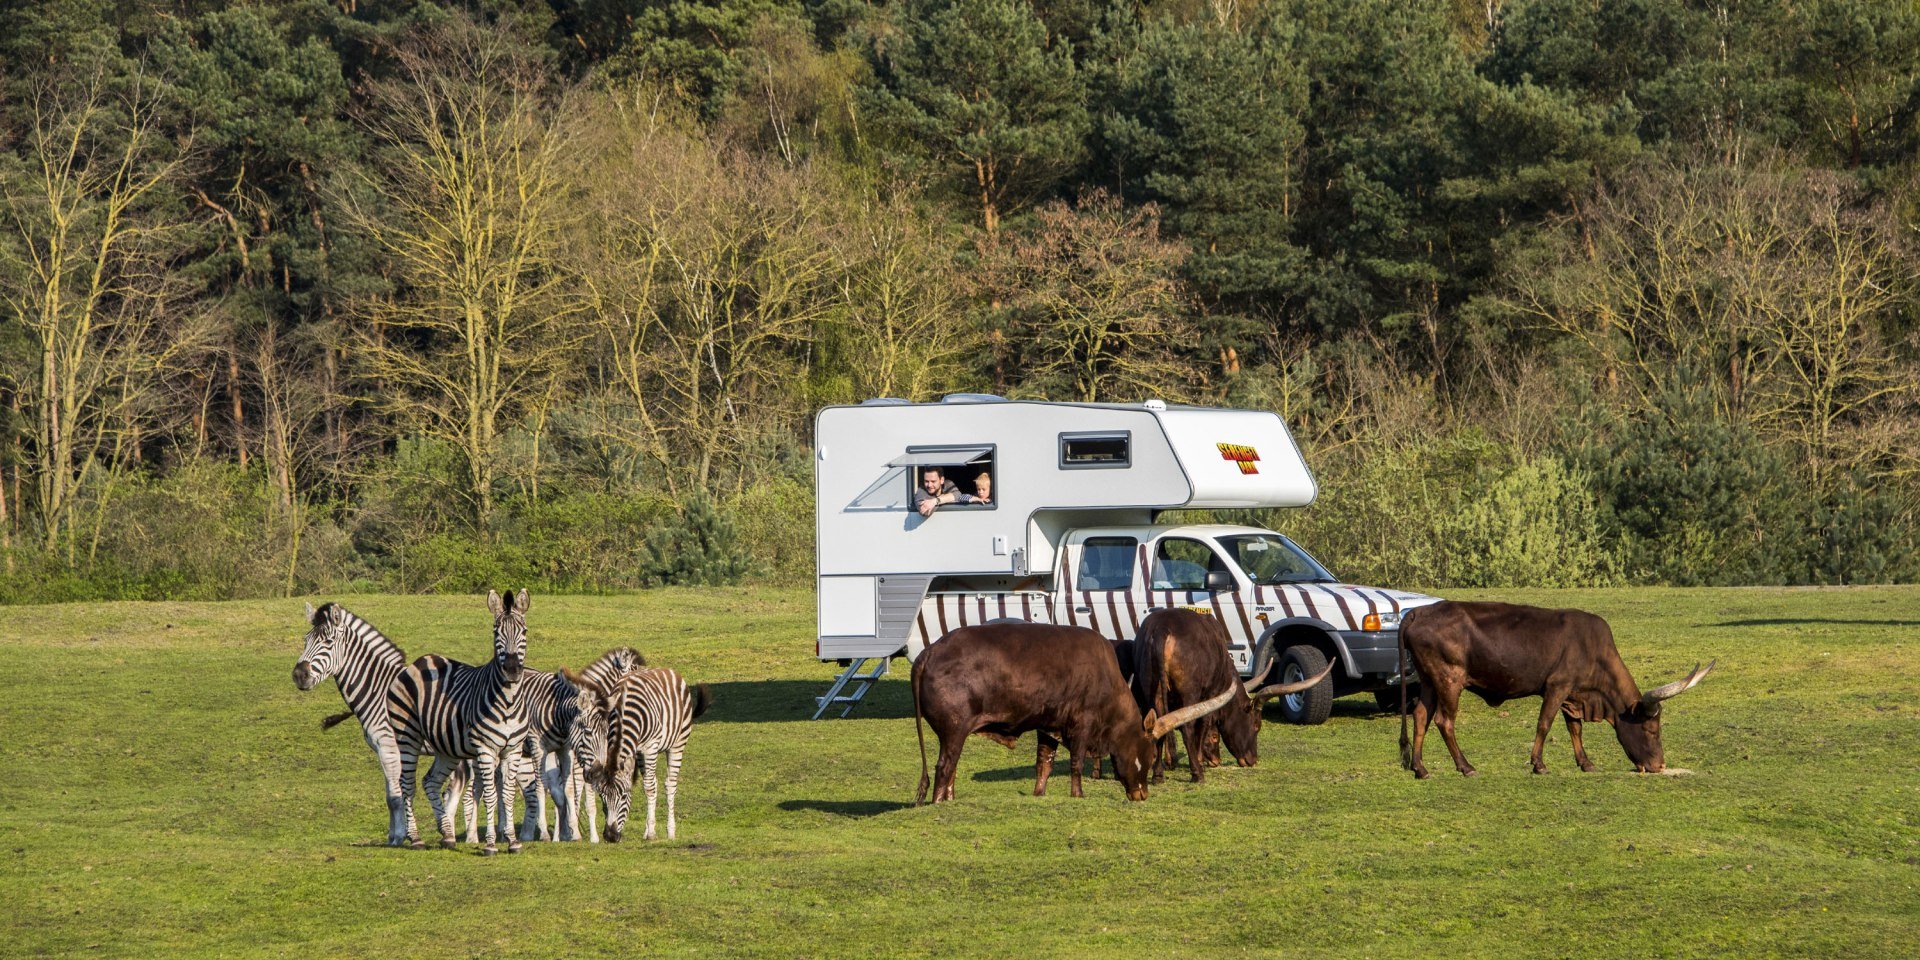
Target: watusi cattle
1504,651
1004,679
1181,657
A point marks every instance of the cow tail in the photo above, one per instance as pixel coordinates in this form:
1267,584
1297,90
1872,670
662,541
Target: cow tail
1400,638
919,732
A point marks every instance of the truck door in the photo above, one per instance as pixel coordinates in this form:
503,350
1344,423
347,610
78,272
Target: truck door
1179,575
1098,586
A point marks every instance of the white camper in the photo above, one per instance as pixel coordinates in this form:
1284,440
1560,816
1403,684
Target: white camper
1062,530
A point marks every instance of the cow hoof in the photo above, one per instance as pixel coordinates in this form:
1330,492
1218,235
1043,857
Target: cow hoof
1539,770
1422,773
1469,772
1588,768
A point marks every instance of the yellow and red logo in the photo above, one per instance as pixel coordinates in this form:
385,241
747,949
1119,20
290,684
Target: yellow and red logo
1247,457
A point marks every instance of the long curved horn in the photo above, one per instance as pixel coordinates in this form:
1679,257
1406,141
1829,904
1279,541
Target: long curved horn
1255,681
1282,689
1185,715
1650,700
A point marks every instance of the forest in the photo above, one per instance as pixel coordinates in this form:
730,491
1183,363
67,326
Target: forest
320,296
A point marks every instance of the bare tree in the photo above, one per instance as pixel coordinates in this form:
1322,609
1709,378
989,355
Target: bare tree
471,214
86,270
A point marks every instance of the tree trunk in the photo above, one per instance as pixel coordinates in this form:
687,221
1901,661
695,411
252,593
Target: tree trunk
233,396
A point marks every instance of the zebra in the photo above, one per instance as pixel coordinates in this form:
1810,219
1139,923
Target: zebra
460,712
650,712
562,711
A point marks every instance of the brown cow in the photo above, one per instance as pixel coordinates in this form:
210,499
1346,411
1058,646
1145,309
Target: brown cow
1003,679
1182,657
1504,651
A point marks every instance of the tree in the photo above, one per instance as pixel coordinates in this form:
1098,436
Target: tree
979,87
87,269
1091,295
470,181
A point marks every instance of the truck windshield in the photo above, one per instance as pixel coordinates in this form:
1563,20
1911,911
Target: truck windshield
1270,558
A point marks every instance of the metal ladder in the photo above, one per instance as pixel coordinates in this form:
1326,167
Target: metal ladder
851,674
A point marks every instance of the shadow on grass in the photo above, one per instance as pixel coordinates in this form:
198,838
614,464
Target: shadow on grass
1789,621
847,808
772,701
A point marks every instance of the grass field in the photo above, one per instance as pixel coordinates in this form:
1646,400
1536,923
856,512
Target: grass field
169,793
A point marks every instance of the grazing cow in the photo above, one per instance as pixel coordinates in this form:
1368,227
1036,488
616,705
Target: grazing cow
1003,679
1504,651
1182,658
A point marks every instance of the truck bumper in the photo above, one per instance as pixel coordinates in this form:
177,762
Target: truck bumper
1374,653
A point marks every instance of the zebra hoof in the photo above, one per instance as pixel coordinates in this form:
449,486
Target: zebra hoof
446,844
416,844
488,850
513,846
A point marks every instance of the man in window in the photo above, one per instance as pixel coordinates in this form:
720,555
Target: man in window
934,490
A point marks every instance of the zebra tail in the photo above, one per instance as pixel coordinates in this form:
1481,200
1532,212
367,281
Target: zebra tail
328,723
919,732
702,699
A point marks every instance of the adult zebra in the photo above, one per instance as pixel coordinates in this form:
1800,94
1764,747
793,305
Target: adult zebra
456,712
362,662
649,712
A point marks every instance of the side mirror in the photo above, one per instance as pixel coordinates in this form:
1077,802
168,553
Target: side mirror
1220,581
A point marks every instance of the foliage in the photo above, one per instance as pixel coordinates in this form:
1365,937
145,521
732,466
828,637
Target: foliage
699,547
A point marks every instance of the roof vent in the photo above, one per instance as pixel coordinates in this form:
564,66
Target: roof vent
884,402
1154,404
972,398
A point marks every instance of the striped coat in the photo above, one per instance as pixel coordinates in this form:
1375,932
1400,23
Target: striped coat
456,712
650,712
556,705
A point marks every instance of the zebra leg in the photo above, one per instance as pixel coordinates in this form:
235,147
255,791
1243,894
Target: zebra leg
533,823
470,792
506,773
673,786
555,771
486,769
436,786
653,790
590,797
400,806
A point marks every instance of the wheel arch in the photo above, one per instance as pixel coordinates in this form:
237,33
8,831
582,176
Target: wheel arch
1297,630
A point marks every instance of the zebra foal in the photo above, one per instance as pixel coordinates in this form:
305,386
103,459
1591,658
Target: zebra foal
456,712
650,711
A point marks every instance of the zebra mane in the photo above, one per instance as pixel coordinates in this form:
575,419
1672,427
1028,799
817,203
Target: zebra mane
612,665
367,635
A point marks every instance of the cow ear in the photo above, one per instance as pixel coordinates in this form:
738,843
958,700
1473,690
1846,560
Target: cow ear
1148,721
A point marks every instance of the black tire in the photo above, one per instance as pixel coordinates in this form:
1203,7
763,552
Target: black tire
1308,707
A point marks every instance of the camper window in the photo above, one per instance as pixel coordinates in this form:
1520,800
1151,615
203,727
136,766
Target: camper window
1181,564
1080,451
962,466
1106,563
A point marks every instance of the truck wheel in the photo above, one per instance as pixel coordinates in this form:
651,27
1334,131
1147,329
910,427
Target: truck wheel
1311,706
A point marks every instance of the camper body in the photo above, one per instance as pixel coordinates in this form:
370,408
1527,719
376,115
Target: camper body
1068,534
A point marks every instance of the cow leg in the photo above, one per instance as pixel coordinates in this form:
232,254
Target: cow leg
943,769
1194,735
1579,749
1422,716
1549,706
1073,768
1447,709
1043,762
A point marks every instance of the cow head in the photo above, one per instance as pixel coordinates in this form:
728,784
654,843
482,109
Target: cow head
509,632
321,656
1133,754
1240,722
1638,727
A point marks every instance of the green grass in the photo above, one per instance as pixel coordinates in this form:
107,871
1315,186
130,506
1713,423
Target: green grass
169,793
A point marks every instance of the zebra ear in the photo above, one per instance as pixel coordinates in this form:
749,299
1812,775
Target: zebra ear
310,611
520,605
493,604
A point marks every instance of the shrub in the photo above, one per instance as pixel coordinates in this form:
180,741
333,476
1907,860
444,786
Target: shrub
1535,525
701,547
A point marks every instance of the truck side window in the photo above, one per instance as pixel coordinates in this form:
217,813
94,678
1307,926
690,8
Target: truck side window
1182,564
1106,563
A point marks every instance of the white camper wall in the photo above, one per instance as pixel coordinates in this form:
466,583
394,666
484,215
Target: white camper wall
853,446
